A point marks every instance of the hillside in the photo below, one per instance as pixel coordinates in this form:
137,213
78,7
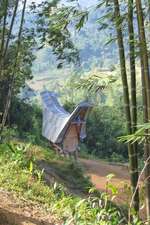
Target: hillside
43,176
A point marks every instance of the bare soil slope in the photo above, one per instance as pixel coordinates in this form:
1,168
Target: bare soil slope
98,171
20,212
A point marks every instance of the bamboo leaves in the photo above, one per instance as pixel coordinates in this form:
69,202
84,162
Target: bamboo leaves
94,83
139,136
82,20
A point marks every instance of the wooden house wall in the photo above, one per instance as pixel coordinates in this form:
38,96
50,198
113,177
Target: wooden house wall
71,141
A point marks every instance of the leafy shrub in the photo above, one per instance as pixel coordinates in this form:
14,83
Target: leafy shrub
104,125
27,119
117,157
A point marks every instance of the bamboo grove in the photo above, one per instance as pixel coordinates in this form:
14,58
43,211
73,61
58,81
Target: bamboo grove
131,111
136,40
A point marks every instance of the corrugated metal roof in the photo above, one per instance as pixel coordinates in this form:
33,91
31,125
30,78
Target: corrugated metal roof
56,119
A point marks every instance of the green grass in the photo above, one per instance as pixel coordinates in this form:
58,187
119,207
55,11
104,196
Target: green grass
19,173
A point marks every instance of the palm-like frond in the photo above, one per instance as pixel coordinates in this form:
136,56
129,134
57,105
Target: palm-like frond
139,136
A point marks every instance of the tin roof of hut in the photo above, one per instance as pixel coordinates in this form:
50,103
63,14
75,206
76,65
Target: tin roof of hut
56,119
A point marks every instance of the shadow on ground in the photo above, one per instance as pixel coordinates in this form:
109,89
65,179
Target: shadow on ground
68,174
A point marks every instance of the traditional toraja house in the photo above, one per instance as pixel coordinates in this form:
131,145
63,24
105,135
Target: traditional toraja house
62,129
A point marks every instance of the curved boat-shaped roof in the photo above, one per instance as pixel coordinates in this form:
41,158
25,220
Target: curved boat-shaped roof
56,119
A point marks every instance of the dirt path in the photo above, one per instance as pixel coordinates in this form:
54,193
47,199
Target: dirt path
20,212
98,170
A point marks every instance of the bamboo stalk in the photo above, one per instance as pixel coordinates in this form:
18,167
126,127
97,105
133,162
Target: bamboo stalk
5,47
4,29
146,81
131,151
11,27
133,93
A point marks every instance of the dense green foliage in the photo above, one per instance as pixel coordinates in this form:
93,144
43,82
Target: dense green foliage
27,119
103,128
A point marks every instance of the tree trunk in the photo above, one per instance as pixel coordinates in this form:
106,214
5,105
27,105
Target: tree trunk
133,90
12,81
3,30
146,79
132,66
148,11
11,27
5,46
131,152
